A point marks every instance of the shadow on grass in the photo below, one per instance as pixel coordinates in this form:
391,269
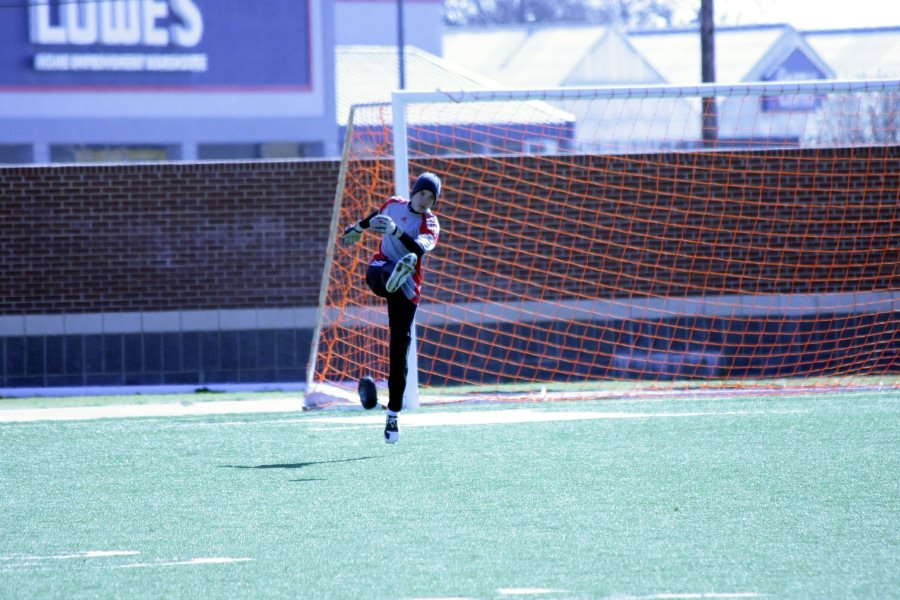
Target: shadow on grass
298,465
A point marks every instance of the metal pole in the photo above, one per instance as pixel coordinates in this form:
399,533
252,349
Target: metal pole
400,45
710,124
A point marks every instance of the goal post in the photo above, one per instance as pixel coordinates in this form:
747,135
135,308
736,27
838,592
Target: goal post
598,234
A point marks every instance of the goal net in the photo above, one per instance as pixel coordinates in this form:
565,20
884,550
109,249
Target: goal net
629,238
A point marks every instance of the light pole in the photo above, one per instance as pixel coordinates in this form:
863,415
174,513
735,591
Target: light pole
710,123
401,44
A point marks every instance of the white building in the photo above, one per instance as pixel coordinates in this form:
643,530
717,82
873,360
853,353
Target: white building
101,80
186,79
369,74
538,57
859,53
549,56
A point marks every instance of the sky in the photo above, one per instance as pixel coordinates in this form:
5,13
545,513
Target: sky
807,14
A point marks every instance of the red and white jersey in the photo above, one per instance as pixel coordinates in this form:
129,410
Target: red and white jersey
422,228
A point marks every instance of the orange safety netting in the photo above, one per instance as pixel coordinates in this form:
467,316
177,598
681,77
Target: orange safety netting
615,241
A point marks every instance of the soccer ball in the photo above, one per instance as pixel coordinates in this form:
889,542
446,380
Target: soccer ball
368,395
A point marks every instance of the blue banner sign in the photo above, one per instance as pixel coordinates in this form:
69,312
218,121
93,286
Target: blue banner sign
156,43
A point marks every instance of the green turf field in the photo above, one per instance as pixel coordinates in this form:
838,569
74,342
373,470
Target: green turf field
770,496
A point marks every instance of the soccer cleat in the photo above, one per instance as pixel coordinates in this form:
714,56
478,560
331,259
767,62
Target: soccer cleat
401,273
368,395
391,430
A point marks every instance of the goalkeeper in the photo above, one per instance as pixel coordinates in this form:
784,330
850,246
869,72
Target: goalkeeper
409,230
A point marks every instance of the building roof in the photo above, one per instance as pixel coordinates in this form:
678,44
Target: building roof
750,53
549,55
676,53
555,55
859,53
370,74
482,50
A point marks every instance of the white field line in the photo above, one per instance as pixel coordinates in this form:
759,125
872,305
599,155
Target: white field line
212,560
291,405
174,409
373,419
512,416
71,555
523,591
689,596
442,598
527,591
25,559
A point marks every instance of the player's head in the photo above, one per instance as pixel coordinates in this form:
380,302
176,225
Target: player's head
427,182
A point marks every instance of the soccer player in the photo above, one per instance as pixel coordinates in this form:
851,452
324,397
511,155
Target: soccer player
409,230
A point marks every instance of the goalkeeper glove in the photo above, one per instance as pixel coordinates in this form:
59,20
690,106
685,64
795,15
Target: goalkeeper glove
352,234
385,225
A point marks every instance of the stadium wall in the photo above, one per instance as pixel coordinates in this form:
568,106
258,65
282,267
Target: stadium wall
209,273
169,273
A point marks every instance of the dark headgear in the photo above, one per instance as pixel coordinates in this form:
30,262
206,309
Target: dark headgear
428,181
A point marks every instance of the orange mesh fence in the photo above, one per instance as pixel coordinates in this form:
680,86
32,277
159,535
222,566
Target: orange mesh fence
614,241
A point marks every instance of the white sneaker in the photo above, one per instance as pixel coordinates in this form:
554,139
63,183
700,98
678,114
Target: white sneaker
391,430
401,273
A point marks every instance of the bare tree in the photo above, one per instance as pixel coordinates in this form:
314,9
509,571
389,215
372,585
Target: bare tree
621,13
854,119
638,14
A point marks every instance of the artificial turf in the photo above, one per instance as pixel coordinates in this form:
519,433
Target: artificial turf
771,496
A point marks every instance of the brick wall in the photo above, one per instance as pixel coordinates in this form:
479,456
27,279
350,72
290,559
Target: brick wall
187,236
180,236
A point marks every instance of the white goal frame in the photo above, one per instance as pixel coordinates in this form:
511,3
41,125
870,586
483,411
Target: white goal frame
319,394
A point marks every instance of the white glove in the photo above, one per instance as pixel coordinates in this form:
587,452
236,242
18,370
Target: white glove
385,225
352,234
